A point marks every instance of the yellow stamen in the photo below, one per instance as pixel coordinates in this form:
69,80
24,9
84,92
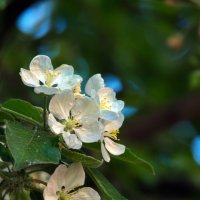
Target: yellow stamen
63,196
105,104
50,77
112,134
70,124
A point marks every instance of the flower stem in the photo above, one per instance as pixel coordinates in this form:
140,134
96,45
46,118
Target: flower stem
45,112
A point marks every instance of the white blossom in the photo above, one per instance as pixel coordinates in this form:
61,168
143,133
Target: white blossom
110,131
65,183
45,79
110,107
75,118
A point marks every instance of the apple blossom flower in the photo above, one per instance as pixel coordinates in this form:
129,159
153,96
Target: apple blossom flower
105,97
109,133
65,183
45,79
75,118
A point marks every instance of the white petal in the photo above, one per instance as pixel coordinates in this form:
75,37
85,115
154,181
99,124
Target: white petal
70,82
110,126
28,78
40,65
61,104
75,176
46,90
104,152
95,83
55,126
89,132
113,147
108,115
117,106
72,141
66,70
56,181
63,72
85,193
85,107
107,93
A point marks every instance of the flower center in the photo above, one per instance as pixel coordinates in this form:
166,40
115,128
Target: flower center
50,77
62,195
70,124
112,134
105,104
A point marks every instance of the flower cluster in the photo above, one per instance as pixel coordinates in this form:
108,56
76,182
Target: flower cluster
78,117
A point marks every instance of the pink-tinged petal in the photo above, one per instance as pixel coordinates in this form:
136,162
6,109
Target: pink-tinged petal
72,141
94,83
29,78
55,183
70,177
61,104
46,90
75,176
85,193
104,152
113,147
40,65
55,126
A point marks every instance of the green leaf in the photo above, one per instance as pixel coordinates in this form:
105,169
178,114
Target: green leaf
30,147
86,160
5,116
22,110
128,157
132,158
104,185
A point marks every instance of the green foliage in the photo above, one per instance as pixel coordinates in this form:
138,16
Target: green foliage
104,185
22,110
29,147
86,160
132,158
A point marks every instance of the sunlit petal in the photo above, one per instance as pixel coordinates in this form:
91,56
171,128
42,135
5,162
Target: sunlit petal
95,83
85,107
55,126
61,104
40,65
109,126
113,147
29,78
89,131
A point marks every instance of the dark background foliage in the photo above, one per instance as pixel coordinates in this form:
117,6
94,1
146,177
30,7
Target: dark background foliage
148,51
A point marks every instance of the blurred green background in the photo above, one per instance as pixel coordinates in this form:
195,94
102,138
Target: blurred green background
148,51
